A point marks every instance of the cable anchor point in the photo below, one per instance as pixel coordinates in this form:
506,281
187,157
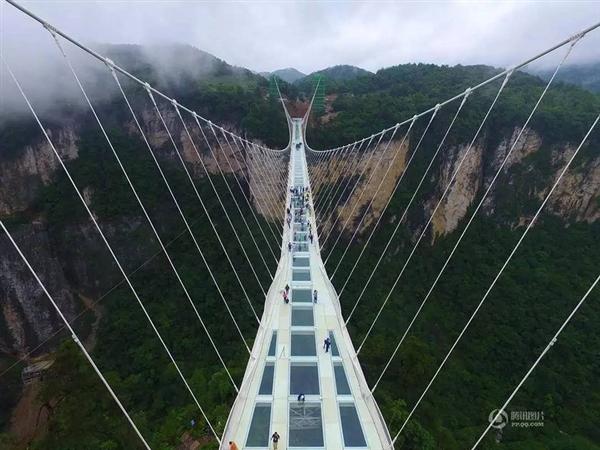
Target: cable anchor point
109,63
50,28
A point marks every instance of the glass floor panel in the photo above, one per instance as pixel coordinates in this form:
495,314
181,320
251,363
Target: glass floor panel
303,344
301,295
301,237
273,344
306,425
300,262
300,275
258,436
334,348
304,379
353,435
302,317
301,247
266,384
341,382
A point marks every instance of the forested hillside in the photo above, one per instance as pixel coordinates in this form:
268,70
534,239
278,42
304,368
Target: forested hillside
71,409
550,272
548,275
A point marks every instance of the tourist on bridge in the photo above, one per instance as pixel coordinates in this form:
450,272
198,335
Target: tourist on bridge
285,297
275,439
315,295
287,288
310,236
289,246
327,344
289,222
233,446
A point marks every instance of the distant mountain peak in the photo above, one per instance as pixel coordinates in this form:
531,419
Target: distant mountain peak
342,72
289,74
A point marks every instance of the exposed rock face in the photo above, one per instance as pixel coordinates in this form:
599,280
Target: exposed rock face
22,176
462,191
380,173
578,194
27,317
576,197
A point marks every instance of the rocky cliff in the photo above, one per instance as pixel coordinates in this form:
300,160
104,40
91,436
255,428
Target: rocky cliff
71,271
529,171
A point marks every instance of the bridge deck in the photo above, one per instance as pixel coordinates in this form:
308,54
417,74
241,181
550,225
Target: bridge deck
288,357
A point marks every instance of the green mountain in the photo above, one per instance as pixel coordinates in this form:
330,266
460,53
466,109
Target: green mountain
586,76
289,75
546,278
341,72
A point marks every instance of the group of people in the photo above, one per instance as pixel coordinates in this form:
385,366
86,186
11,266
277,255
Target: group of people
302,193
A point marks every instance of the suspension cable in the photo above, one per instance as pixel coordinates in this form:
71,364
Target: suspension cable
108,246
349,166
242,215
251,193
273,189
182,215
499,274
358,159
368,182
177,151
202,204
383,178
76,338
508,75
336,168
446,190
546,349
356,184
489,188
270,203
147,216
408,205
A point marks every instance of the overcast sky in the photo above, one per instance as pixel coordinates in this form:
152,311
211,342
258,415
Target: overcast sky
310,35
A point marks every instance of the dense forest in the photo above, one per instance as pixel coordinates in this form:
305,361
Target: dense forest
546,278
553,268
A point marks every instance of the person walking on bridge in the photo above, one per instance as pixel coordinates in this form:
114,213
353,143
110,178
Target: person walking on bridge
233,446
275,438
327,344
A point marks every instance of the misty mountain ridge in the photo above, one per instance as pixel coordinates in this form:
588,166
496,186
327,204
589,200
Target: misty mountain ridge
171,68
342,72
289,74
586,76
338,73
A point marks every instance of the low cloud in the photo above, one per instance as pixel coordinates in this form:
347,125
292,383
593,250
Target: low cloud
265,36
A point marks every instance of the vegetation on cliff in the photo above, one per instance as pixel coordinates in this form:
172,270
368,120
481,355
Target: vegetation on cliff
541,285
